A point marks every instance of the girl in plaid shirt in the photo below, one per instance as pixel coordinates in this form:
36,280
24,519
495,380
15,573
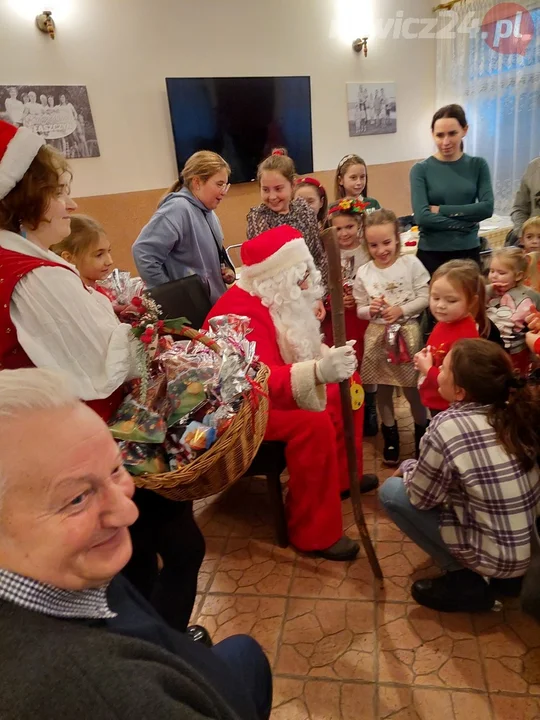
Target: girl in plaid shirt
472,497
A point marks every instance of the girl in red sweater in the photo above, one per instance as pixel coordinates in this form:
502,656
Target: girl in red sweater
457,300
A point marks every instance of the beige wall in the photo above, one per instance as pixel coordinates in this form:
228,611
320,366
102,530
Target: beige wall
123,50
124,214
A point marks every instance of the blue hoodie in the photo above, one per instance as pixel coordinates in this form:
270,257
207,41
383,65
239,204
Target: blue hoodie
178,241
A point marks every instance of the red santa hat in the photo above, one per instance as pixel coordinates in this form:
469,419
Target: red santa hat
18,147
272,252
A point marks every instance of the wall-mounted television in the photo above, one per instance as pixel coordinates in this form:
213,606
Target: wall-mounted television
242,119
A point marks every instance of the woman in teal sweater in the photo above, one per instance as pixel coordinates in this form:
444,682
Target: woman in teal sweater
450,194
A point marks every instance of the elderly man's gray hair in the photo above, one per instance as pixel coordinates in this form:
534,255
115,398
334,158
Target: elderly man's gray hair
33,389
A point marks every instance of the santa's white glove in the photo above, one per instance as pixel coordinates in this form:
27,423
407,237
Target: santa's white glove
336,364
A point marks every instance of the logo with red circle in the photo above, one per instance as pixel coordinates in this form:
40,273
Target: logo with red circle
508,28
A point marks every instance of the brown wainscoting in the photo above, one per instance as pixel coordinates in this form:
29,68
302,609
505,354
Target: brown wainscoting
124,214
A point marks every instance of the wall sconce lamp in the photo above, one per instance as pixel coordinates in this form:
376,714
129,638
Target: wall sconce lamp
360,44
46,24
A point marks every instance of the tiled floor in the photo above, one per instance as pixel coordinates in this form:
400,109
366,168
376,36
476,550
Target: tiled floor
343,648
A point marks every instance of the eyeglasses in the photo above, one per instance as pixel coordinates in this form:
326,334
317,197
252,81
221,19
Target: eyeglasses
304,279
224,189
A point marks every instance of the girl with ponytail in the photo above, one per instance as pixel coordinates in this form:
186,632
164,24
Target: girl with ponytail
472,497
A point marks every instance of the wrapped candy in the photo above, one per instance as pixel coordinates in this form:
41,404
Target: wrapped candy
224,326
395,346
233,381
121,287
184,396
220,419
141,458
136,423
198,437
187,397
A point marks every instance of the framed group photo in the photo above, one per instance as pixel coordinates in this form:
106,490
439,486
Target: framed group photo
371,108
61,114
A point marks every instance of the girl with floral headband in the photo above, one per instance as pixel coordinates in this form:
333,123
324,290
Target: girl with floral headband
352,181
347,217
313,192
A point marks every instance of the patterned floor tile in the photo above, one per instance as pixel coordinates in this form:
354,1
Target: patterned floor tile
402,562
515,708
402,703
421,647
262,618
214,550
319,700
254,566
314,577
510,647
328,638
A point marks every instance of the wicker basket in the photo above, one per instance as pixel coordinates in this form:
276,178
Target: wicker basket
225,462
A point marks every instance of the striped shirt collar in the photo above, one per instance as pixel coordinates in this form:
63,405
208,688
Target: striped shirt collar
49,600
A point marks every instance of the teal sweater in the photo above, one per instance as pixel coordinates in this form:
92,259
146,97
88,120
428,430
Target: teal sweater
463,191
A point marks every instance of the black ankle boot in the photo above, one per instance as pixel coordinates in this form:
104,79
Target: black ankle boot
199,634
419,432
371,425
391,444
459,591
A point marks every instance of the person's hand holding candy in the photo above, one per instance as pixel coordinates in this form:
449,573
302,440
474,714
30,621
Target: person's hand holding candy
423,360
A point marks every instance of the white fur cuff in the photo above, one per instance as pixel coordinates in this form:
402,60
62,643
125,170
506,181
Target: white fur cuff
307,394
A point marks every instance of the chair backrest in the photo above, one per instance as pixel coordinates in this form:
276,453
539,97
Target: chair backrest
186,297
233,253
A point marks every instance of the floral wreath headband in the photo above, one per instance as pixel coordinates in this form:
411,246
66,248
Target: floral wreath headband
314,182
349,206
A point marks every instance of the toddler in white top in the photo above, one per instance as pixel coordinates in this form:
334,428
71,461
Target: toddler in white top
391,289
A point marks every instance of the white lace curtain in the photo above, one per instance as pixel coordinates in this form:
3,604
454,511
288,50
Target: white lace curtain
500,93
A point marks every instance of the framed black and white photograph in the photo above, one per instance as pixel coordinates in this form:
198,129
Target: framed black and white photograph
59,113
371,108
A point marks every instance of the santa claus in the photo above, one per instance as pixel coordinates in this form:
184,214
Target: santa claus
277,290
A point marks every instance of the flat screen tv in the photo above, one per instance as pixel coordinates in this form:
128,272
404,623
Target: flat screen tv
242,119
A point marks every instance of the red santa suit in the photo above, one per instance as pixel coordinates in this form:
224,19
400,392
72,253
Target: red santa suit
303,414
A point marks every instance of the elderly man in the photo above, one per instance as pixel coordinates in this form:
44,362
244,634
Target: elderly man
277,289
77,639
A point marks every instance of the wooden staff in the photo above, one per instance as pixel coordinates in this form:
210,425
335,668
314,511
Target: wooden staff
329,238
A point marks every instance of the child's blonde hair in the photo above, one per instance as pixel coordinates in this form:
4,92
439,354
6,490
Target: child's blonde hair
533,275
383,217
514,259
85,233
531,222
278,161
465,276
344,164
203,164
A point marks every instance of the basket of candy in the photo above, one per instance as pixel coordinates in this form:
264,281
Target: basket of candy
193,422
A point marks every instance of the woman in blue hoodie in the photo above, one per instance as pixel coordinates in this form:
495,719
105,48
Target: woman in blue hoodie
184,236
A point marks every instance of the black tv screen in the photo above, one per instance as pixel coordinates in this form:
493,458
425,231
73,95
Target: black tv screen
242,119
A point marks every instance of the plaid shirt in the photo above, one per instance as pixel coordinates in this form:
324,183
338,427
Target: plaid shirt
488,503
48,600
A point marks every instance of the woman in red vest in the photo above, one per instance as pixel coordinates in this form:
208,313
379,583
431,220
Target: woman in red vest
47,316
49,319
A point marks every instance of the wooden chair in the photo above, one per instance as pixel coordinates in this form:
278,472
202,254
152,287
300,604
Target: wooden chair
270,463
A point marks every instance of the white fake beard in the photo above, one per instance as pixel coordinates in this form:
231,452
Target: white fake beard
292,310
